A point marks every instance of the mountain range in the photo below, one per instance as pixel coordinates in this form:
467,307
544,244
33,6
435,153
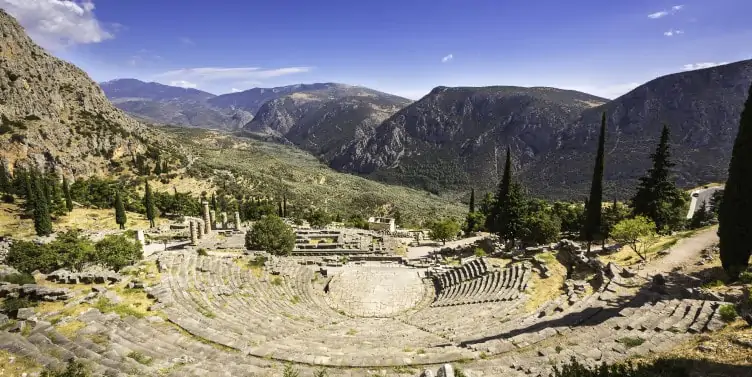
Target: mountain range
455,138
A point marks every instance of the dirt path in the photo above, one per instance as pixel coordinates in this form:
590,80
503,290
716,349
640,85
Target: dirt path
685,252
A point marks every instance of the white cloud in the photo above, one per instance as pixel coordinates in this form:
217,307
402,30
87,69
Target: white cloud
609,91
235,90
235,74
660,14
187,41
673,32
56,24
183,84
664,13
447,58
693,66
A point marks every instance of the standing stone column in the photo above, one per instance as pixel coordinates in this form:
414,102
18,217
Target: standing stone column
192,226
199,230
237,220
207,217
224,220
213,218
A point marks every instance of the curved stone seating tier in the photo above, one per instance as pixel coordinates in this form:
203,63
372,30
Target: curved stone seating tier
224,320
504,285
470,270
281,318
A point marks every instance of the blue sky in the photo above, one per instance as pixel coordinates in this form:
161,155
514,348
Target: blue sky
406,47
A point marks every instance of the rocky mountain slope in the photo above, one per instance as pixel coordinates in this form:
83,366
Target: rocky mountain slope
54,116
323,121
455,137
166,104
702,109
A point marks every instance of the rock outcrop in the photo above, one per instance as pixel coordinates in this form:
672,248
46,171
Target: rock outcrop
54,116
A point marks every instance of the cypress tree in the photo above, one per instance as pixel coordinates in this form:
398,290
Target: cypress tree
284,205
657,197
470,219
493,221
5,184
510,205
67,195
120,217
42,219
29,192
149,204
214,202
165,167
735,223
593,208
280,210
472,200
158,168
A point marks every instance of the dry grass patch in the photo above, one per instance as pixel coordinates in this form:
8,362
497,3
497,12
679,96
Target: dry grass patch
69,329
626,257
16,366
720,348
544,290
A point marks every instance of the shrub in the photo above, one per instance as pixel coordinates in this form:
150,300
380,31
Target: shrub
290,371
271,234
727,312
480,252
8,198
27,257
202,252
140,357
660,368
745,277
12,304
118,251
74,368
20,278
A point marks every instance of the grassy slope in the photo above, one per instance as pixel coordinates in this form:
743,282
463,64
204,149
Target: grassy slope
267,169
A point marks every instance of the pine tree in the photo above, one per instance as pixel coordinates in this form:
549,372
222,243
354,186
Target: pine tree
735,223
120,217
67,195
593,209
42,219
149,204
657,196
5,184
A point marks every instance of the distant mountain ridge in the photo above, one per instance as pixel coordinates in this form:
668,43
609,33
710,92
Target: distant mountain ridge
454,138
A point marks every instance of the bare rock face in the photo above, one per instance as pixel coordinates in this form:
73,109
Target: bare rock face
324,120
454,136
53,115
